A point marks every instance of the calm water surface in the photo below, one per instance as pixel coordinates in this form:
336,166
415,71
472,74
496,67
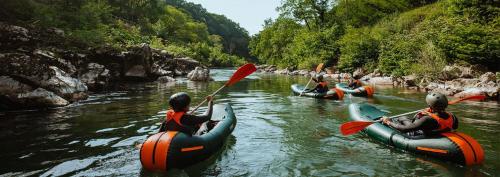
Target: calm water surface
277,134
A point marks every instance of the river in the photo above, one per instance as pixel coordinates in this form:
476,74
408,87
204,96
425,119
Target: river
277,134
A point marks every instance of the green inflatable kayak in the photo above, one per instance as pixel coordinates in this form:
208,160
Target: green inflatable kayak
172,149
331,94
364,91
450,146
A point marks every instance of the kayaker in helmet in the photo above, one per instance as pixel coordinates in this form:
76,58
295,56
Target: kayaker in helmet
356,83
322,86
432,120
178,119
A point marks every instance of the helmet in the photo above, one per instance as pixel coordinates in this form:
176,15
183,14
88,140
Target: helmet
437,101
319,77
179,101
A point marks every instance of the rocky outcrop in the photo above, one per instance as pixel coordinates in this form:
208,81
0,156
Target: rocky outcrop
199,74
16,95
165,79
48,73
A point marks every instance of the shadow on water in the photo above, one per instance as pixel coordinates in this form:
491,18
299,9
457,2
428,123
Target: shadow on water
277,134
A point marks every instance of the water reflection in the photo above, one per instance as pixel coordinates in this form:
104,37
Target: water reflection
277,134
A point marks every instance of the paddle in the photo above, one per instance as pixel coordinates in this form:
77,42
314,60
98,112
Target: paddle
318,70
241,73
353,127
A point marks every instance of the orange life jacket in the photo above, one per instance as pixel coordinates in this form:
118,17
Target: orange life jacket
175,116
444,124
323,84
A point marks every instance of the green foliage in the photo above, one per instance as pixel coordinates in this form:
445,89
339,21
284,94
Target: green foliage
121,24
358,47
430,64
235,39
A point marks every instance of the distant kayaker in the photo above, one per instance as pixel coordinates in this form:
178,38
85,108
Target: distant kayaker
178,119
432,120
356,83
321,87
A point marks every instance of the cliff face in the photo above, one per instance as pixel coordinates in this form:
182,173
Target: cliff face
38,69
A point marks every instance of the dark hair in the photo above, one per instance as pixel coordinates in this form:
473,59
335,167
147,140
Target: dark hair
179,101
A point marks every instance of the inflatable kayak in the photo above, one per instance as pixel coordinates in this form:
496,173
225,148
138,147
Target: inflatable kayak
364,91
331,94
450,146
171,149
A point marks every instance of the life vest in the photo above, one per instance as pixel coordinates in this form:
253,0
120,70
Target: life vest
444,124
323,84
174,116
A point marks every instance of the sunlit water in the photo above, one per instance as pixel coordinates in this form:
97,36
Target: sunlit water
277,134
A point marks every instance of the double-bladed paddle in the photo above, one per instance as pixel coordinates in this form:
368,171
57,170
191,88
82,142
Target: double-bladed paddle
318,70
353,127
240,73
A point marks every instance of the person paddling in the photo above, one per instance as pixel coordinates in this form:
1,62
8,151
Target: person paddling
321,87
177,118
356,83
432,120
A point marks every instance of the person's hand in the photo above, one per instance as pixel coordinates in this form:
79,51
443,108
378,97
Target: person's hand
210,98
386,120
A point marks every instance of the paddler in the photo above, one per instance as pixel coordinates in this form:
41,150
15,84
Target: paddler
432,120
356,83
177,118
322,86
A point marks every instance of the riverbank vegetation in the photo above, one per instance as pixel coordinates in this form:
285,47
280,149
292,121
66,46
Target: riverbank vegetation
398,37
182,29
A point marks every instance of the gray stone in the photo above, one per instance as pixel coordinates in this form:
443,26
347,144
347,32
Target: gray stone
96,76
42,98
199,74
165,79
63,85
136,71
488,77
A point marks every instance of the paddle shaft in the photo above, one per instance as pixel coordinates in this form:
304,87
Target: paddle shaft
213,94
306,86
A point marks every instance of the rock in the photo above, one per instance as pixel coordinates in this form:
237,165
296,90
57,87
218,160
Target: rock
16,95
63,85
488,77
380,81
360,72
137,71
409,81
13,37
95,77
165,79
184,65
285,71
303,73
450,73
42,98
199,74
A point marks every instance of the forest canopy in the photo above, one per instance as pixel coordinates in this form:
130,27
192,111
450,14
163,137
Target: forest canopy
398,37
181,28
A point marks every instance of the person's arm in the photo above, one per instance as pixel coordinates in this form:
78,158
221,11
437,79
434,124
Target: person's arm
192,120
163,126
455,122
424,123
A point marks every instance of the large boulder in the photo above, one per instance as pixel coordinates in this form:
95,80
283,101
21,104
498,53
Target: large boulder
199,74
63,85
12,36
380,80
450,73
96,77
165,79
360,72
17,95
488,77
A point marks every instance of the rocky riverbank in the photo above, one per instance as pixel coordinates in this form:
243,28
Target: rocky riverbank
38,69
455,80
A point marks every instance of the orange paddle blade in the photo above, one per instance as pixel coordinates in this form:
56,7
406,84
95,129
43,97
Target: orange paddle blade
353,127
241,73
319,68
473,97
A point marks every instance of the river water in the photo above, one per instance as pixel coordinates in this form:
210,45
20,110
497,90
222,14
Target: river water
277,134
